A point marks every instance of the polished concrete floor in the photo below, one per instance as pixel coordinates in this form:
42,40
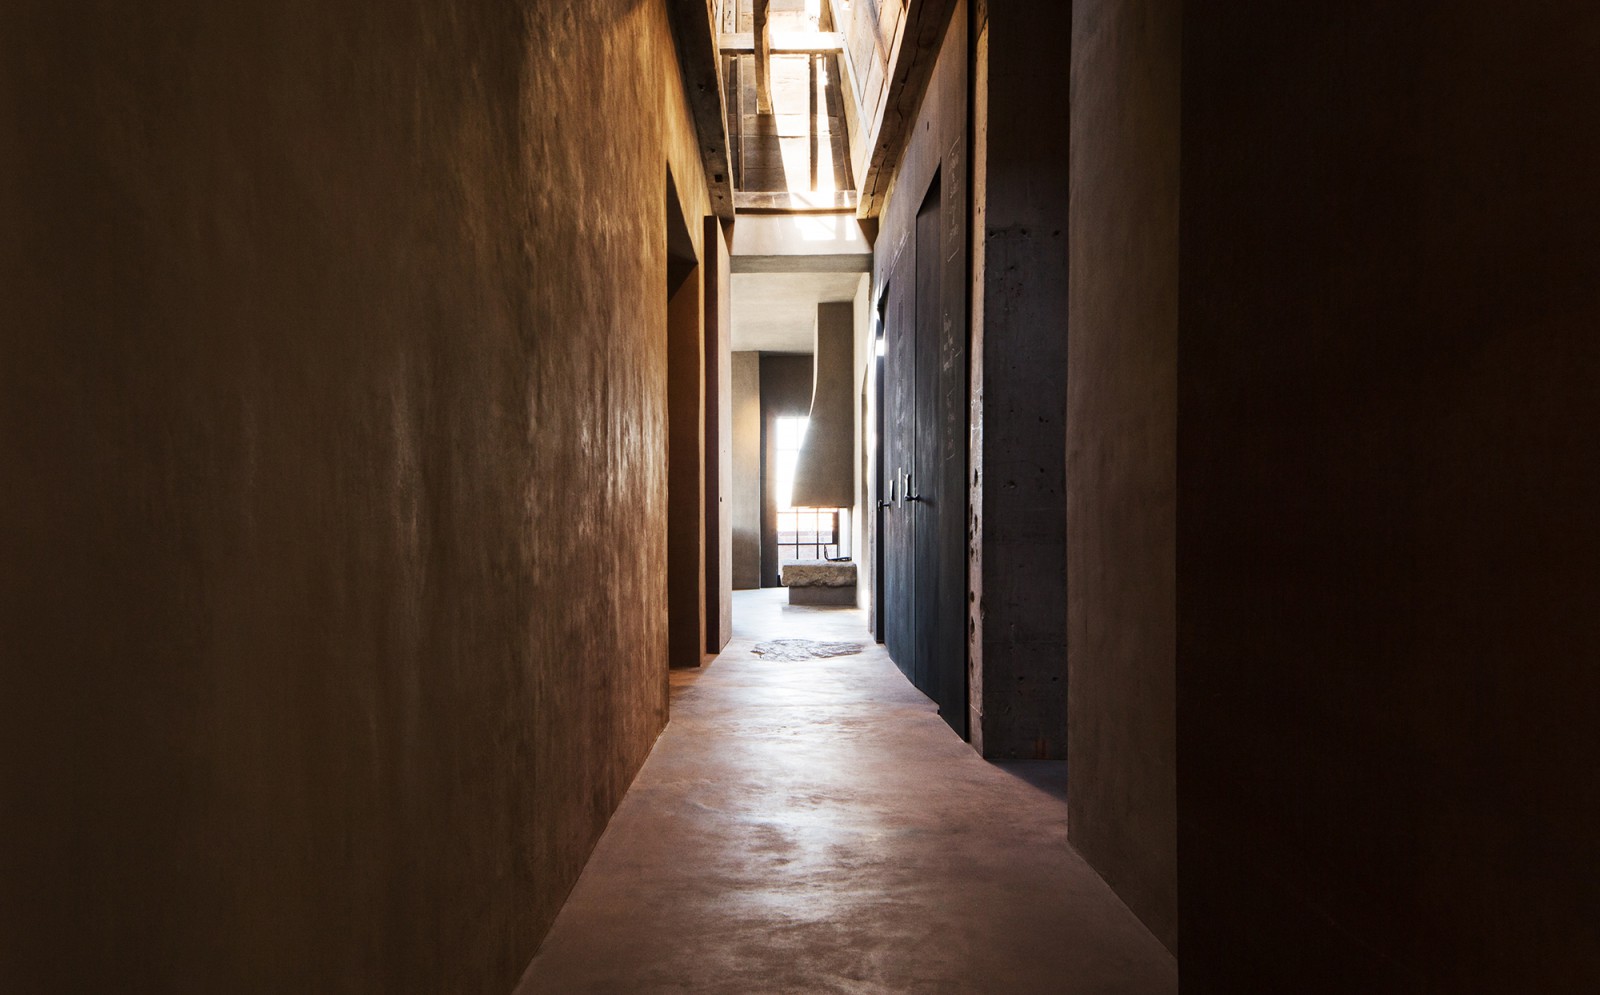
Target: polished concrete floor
814,826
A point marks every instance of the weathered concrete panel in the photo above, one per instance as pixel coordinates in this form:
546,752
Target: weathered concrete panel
1121,450
1388,582
332,408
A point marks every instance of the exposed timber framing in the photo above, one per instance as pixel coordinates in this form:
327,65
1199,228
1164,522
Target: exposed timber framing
786,43
762,43
694,28
849,86
795,202
915,49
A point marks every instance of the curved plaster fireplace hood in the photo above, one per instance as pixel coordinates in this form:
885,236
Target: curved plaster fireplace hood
825,470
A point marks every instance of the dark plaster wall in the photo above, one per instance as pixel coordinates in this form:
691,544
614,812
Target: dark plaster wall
1388,545
1019,361
785,392
1121,449
332,428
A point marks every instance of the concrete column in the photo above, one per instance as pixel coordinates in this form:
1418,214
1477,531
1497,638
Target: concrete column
1017,568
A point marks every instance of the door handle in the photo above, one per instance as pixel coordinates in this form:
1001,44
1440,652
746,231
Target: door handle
910,496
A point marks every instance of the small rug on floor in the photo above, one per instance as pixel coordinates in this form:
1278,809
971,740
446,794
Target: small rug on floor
795,650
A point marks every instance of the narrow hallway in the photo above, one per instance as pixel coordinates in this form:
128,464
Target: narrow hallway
815,827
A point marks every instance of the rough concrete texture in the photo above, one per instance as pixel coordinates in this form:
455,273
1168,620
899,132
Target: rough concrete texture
817,594
332,426
819,573
820,582
1019,381
1388,533
815,826
746,470
825,472
1121,449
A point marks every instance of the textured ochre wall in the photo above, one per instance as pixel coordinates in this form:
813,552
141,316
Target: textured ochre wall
332,428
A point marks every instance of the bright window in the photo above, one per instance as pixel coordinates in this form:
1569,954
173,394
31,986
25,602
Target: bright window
803,533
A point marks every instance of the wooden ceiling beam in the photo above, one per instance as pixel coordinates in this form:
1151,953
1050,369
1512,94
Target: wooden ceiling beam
786,43
923,28
695,31
763,46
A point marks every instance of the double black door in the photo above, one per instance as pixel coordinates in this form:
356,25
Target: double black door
923,464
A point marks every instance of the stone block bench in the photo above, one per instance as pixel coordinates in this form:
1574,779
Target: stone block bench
820,582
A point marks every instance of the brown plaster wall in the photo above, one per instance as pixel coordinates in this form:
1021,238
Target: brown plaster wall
1388,545
332,424
1019,574
1121,450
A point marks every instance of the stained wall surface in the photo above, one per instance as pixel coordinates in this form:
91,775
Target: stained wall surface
1387,582
1121,514
332,425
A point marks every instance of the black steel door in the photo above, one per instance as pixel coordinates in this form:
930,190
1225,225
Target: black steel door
923,502
900,433
924,447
